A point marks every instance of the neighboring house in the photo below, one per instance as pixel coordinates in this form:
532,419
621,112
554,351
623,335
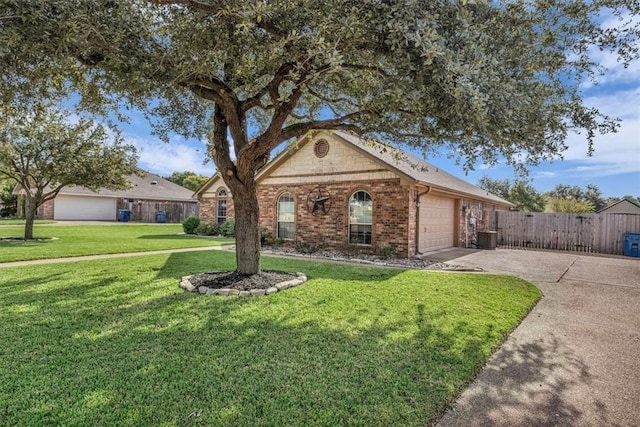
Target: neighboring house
623,206
147,195
335,190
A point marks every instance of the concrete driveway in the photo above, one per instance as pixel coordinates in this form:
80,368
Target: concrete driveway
575,360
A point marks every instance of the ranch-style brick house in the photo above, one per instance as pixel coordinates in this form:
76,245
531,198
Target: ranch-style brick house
334,190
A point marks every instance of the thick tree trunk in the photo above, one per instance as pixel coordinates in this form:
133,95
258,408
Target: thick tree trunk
30,215
247,214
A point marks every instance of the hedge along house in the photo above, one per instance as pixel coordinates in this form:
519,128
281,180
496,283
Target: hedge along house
147,195
336,191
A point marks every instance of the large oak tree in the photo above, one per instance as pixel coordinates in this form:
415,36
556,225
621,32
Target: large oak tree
489,80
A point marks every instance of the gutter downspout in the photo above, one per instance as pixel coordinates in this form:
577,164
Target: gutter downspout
418,218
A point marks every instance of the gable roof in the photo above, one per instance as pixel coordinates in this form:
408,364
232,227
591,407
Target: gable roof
204,187
148,186
404,164
633,205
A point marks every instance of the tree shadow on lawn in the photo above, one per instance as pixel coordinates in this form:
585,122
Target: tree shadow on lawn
18,242
143,355
182,236
145,352
217,366
187,263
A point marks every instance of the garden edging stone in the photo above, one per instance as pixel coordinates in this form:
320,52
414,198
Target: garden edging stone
185,283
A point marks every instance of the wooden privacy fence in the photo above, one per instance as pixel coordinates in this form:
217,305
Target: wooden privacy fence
146,210
600,233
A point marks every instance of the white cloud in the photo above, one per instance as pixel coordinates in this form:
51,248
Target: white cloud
614,153
615,70
546,174
177,156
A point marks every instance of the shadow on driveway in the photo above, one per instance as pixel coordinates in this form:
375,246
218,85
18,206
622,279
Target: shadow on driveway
575,359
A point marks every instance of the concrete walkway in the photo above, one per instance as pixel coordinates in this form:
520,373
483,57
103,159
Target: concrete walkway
575,360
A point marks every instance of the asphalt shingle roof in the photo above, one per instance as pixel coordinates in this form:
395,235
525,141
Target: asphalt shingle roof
420,170
149,186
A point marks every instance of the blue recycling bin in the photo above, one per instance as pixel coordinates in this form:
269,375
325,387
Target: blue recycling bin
632,245
123,215
161,217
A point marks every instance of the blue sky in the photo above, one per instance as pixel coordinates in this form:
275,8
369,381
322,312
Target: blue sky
614,166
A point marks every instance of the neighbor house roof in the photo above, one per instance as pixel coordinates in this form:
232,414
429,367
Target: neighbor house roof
148,186
411,167
631,205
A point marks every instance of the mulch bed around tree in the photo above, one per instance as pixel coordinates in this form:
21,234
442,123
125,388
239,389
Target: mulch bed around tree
242,282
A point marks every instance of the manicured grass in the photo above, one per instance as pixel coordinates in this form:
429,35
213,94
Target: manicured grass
116,342
97,239
18,221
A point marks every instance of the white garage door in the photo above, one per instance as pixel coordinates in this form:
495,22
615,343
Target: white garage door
437,222
85,208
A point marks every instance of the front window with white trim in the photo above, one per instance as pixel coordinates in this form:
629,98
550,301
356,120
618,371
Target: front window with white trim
360,218
222,206
286,225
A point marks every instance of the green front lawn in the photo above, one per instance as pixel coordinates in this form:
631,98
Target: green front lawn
116,342
18,221
80,240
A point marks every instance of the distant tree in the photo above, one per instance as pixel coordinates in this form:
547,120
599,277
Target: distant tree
569,206
178,177
187,179
488,80
193,182
520,193
42,152
591,194
8,200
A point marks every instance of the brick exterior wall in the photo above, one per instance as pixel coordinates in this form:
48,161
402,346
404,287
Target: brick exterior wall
391,215
394,216
208,209
45,211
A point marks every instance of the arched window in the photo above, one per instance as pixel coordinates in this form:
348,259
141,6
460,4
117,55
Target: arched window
286,227
222,206
360,218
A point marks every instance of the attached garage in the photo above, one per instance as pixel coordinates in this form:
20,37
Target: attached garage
436,223
84,208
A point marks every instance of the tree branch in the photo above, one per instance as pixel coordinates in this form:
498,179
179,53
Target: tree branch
271,88
220,151
299,129
214,89
325,99
204,7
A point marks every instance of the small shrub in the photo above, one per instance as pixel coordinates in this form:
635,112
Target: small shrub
190,224
278,242
305,248
387,251
228,228
210,229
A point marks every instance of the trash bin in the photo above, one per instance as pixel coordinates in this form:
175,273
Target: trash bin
487,239
161,217
123,215
632,245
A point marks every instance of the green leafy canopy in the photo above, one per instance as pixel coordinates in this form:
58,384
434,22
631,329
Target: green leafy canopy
487,78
